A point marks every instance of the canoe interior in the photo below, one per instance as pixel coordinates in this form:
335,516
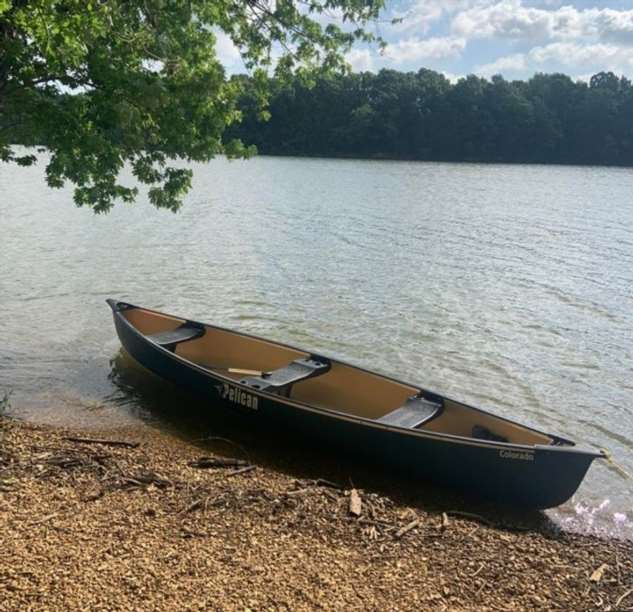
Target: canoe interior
343,388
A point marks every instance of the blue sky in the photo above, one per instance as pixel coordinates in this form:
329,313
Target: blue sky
515,38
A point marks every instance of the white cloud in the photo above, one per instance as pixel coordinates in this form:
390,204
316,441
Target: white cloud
527,36
413,49
600,56
537,3
512,19
422,14
451,76
361,60
509,19
228,54
503,65
615,26
581,61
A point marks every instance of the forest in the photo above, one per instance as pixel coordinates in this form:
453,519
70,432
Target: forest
549,118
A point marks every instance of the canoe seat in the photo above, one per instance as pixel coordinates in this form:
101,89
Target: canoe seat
415,411
184,333
281,380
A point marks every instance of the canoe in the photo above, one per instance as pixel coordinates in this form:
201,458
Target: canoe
398,425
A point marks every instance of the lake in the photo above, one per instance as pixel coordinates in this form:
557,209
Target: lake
509,287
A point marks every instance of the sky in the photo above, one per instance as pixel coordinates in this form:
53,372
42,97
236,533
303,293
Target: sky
515,38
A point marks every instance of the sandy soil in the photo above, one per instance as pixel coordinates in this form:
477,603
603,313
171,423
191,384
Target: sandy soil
153,527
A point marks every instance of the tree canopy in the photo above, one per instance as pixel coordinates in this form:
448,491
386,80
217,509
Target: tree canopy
421,115
103,83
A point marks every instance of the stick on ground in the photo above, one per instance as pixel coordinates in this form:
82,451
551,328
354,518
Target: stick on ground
105,442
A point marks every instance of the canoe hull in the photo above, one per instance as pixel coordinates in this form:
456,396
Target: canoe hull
538,478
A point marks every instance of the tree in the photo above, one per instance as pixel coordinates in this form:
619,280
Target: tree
547,119
104,83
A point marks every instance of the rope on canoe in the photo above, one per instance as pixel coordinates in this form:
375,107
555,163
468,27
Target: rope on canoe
616,466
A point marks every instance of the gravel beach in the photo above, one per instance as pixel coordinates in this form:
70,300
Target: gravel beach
109,522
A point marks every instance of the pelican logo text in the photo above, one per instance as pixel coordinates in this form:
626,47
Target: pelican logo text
522,455
237,396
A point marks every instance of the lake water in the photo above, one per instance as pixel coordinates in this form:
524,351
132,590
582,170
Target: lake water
510,287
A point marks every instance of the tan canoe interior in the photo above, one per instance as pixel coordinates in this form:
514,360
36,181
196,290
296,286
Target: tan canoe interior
343,388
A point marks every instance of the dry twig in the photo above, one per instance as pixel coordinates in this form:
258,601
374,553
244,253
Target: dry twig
622,598
243,470
470,515
444,524
122,443
322,482
412,525
217,462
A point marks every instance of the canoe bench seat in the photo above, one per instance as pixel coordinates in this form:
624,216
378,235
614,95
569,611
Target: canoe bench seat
415,411
184,333
280,381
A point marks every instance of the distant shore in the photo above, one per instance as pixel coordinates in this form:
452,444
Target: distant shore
462,160
110,521
548,118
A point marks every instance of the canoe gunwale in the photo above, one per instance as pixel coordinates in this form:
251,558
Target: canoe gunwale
567,446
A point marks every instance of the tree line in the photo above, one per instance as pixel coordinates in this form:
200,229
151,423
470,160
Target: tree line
549,118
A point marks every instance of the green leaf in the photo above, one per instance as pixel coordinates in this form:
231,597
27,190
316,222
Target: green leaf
105,84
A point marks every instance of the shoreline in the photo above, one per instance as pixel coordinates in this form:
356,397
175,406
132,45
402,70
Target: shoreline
108,526
483,162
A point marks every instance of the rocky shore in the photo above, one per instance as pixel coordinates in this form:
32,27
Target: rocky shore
109,522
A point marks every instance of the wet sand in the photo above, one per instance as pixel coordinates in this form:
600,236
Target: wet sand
151,526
